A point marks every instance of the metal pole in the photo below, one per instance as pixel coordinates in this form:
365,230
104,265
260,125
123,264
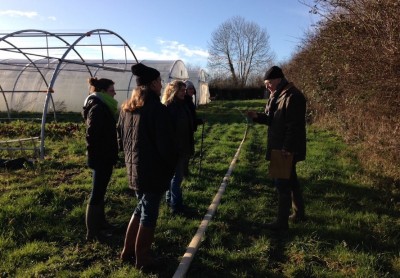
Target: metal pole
201,148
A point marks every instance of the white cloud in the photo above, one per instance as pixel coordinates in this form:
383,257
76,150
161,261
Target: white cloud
161,50
181,49
171,50
15,13
142,53
26,14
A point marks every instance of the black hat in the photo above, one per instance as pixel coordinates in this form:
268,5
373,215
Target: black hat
144,74
189,84
273,73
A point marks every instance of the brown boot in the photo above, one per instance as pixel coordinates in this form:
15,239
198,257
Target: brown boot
298,214
128,252
144,240
281,223
104,224
93,223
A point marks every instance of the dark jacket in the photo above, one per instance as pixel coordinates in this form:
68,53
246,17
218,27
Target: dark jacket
183,125
286,121
192,109
101,135
146,136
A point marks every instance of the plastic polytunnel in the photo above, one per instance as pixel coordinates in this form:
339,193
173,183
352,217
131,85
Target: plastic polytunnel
26,89
200,82
169,69
42,71
176,70
47,72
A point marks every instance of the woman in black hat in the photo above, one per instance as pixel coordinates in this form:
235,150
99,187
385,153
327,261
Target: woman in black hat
145,134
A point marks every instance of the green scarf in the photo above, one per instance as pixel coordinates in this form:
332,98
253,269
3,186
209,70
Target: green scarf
109,101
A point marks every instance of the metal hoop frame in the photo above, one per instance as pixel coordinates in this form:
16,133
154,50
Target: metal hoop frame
37,55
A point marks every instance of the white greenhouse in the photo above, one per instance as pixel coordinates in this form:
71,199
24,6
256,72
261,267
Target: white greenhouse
24,89
200,82
47,72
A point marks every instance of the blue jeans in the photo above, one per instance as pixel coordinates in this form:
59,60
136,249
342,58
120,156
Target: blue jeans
101,178
147,208
174,194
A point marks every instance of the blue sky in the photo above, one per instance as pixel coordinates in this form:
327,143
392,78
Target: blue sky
159,29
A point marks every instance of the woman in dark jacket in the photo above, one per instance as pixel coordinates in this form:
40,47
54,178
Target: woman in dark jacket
99,112
174,99
146,136
190,92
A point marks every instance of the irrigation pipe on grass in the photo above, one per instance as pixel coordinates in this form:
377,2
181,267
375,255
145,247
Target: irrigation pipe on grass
195,243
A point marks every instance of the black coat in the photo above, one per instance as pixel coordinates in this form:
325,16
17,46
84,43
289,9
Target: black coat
192,109
183,126
287,125
146,136
101,135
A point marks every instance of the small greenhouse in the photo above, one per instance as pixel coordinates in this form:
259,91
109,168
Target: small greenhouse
200,82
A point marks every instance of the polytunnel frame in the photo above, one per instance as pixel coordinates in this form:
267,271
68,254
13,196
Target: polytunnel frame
43,78
70,47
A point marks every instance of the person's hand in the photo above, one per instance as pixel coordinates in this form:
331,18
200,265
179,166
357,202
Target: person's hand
252,114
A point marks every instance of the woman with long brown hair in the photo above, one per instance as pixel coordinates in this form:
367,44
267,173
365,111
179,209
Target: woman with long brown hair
146,136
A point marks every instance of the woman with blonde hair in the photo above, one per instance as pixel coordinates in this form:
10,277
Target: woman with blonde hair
174,99
145,134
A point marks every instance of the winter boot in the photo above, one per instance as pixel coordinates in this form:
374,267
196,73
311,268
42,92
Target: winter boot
93,223
298,214
128,252
281,223
104,224
144,240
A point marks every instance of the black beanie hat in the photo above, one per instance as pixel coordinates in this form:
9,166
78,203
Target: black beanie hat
189,84
273,73
144,74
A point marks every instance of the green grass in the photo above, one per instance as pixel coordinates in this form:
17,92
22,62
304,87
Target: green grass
352,231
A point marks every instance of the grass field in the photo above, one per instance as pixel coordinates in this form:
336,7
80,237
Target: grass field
353,227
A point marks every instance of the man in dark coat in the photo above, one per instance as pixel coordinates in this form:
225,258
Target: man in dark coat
285,116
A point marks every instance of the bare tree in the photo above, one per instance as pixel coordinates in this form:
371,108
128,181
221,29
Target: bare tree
239,48
193,67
